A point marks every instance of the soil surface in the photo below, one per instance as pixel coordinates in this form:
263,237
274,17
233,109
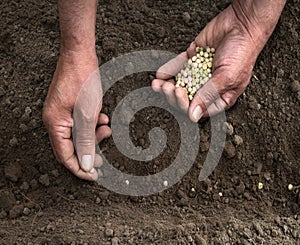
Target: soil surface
42,203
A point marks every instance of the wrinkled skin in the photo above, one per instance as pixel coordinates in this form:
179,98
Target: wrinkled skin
237,43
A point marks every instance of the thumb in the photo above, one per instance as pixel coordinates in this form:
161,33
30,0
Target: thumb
85,113
206,101
85,138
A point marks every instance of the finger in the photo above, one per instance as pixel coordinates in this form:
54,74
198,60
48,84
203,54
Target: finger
85,138
182,99
230,97
216,107
98,161
168,89
171,68
102,119
191,51
92,175
64,151
85,114
207,95
157,85
103,132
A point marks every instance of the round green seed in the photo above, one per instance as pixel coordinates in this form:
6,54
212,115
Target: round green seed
197,71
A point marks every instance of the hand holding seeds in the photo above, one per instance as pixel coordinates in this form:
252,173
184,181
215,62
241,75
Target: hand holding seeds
237,41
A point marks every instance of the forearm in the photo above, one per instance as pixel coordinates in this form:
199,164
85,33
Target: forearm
77,24
259,17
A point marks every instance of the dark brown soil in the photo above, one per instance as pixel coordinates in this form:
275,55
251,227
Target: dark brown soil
42,203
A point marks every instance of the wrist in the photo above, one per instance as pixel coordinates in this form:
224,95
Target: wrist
76,66
78,45
79,55
258,18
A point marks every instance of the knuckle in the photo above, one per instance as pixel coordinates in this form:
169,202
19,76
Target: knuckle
206,96
155,84
229,99
167,86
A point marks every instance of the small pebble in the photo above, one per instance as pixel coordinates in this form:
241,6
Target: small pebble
238,140
109,232
228,128
190,239
26,211
267,176
13,142
98,200
186,17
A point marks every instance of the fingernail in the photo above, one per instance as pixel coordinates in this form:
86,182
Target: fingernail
92,171
197,113
86,162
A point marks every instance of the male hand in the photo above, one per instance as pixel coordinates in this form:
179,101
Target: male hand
238,37
75,70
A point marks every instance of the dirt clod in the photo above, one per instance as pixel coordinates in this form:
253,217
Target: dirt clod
16,211
229,149
24,186
186,17
13,171
238,140
295,85
13,142
44,180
